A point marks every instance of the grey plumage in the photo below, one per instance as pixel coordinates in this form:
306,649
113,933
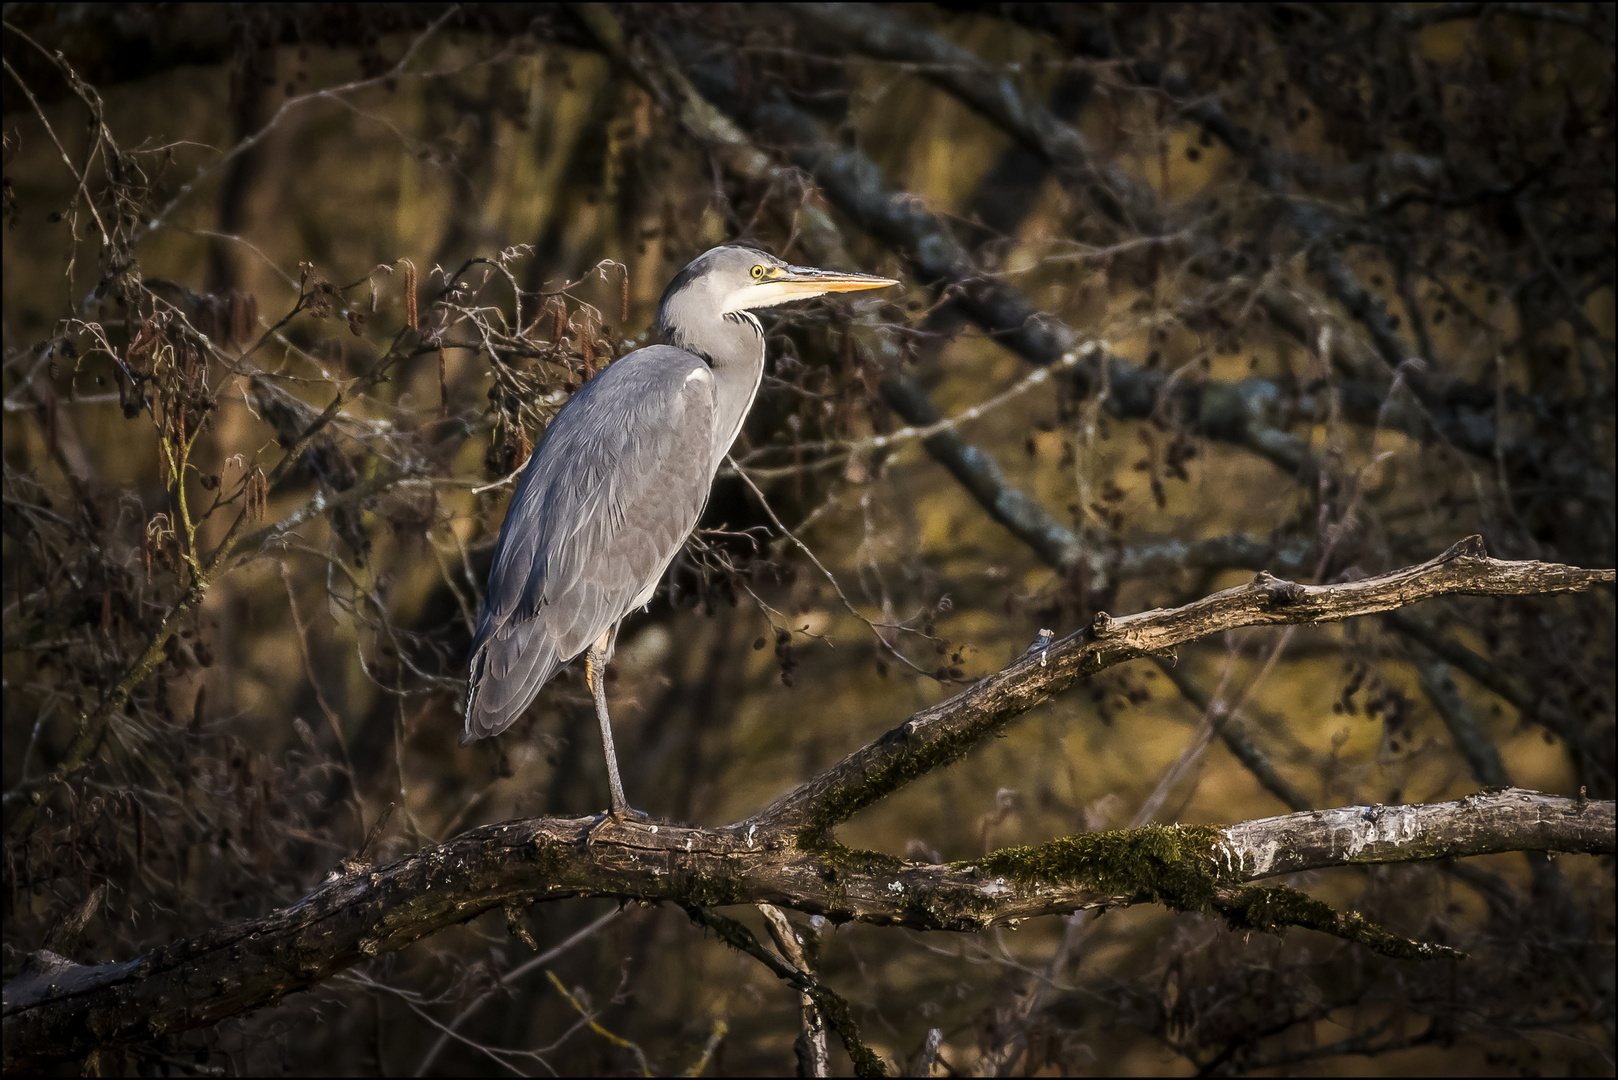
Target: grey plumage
599,513
619,481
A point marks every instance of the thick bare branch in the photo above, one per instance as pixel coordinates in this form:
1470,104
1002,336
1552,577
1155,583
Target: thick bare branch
783,855
945,732
1247,413
1458,414
1377,834
879,32
57,1009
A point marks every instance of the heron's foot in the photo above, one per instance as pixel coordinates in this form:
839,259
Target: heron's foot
617,817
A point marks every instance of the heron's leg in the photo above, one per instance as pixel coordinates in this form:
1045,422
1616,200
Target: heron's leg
595,673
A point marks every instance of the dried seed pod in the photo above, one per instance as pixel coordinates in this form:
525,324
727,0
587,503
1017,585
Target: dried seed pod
410,294
255,495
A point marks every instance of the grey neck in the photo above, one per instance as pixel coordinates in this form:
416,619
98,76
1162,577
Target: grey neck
732,345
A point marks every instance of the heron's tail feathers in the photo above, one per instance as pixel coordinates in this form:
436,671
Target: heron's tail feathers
507,673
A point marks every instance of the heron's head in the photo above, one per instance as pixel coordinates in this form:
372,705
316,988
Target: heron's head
724,280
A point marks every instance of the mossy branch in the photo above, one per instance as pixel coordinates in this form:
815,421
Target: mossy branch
1192,869
56,1009
947,731
1274,908
786,855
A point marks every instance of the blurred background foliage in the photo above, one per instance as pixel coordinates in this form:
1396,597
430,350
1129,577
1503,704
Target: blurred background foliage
1334,285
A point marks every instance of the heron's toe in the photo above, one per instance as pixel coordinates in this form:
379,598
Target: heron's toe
616,818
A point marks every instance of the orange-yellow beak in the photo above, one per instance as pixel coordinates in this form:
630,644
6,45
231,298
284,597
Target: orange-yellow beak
802,282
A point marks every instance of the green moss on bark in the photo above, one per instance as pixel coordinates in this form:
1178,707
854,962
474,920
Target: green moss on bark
1272,909
837,863
1171,864
1181,867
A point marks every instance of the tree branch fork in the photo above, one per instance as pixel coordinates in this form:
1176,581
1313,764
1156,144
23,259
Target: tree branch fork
785,855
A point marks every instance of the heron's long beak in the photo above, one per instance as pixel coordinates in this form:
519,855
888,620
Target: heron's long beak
803,282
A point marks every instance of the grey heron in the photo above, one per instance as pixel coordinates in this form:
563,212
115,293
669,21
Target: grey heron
618,482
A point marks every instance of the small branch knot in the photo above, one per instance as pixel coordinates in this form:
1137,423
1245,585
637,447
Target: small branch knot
1042,646
1470,548
1282,590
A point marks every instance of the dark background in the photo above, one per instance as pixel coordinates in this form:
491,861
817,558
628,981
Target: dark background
1353,269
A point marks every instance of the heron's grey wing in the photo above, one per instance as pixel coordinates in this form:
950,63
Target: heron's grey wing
616,485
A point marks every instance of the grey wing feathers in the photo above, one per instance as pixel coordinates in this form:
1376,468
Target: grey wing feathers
614,488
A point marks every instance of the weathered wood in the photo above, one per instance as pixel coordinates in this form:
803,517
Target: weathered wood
1421,832
56,1009
945,732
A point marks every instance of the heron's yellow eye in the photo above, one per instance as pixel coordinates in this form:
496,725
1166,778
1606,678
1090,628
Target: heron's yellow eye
758,272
